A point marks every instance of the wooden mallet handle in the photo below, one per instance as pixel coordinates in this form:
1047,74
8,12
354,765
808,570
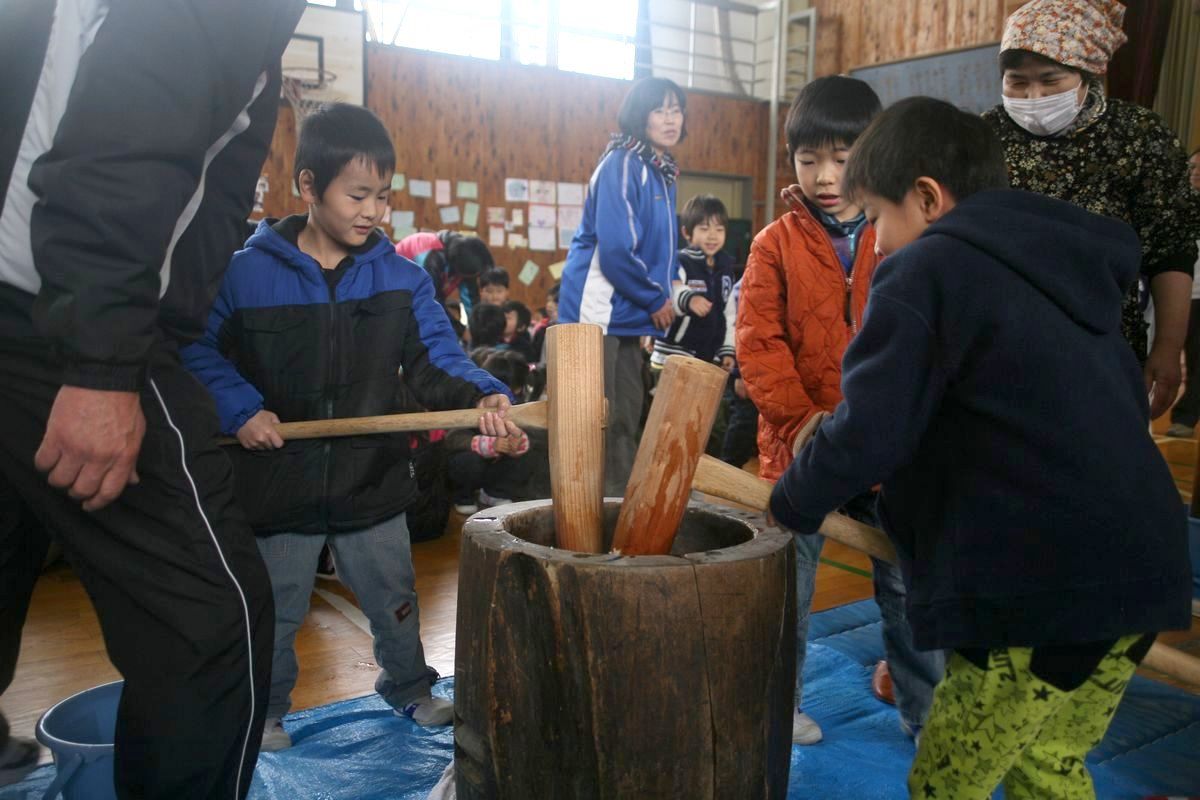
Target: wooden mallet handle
526,415
736,485
575,388
677,430
722,480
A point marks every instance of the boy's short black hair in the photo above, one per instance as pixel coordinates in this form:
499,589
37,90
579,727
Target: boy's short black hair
487,325
645,96
336,134
701,208
508,367
496,276
1016,59
468,256
830,111
921,136
524,317
552,292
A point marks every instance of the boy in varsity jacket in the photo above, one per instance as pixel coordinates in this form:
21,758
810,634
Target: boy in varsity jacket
704,326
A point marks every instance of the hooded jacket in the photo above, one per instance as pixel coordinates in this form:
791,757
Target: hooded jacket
991,393
710,337
797,312
619,268
279,338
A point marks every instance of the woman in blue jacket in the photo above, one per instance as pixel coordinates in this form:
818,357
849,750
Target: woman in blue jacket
618,271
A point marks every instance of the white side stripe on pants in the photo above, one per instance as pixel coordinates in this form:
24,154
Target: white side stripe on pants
245,606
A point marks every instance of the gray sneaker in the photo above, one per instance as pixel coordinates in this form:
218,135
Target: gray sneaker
1180,431
275,738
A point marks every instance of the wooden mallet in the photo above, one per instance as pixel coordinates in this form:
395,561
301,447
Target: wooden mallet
677,430
575,392
526,415
736,485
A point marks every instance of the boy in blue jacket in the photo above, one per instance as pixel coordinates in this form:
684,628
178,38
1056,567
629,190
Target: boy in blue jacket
1045,555
316,319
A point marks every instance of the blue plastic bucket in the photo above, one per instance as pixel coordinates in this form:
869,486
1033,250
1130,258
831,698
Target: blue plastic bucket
79,734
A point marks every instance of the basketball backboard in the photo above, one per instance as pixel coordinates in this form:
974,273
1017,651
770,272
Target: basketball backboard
327,52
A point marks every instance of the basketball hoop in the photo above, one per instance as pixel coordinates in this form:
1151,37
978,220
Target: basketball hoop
302,89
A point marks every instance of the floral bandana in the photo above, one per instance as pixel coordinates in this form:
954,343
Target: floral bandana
1082,34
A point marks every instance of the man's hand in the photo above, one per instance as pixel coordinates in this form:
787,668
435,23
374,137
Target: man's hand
91,444
727,364
1163,376
700,306
665,315
739,388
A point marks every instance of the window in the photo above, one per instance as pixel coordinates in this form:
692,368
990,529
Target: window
574,35
598,37
457,27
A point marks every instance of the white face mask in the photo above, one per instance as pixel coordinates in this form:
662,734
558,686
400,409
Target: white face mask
1044,116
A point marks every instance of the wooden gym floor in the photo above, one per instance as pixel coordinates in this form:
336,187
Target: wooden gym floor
63,653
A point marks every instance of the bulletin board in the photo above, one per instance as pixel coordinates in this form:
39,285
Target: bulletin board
968,78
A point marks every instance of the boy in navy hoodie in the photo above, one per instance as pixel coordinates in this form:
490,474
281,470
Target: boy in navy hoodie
703,327
316,319
1045,555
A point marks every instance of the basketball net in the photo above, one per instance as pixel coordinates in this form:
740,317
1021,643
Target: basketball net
299,92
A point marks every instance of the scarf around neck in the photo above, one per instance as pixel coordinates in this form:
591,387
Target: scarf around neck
663,163
1094,105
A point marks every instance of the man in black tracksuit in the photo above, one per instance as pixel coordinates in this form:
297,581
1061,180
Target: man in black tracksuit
123,190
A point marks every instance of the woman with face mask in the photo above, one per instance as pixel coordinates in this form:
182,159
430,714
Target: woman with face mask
1063,138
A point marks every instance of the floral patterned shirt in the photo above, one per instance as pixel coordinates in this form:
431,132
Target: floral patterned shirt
1125,164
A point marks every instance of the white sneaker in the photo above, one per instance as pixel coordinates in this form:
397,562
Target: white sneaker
488,501
805,729
274,738
429,712
466,509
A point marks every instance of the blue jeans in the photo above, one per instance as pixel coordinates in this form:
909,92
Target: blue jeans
914,673
376,563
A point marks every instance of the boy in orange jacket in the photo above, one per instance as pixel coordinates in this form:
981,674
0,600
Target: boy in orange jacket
802,299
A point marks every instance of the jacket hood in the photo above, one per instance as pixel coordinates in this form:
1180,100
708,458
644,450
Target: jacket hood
1082,262
269,240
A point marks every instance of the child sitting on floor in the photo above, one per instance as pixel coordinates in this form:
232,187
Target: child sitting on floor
489,470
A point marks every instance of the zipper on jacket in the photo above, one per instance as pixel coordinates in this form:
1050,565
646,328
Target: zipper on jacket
849,309
328,447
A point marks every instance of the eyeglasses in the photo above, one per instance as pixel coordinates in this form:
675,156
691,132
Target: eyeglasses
673,111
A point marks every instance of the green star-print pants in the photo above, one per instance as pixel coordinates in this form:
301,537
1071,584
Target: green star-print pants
1005,724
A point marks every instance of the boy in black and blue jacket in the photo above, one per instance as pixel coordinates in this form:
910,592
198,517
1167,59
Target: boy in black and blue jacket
703,326
992,395
316,319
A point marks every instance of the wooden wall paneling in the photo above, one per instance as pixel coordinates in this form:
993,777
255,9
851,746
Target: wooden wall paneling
465,119
855,33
